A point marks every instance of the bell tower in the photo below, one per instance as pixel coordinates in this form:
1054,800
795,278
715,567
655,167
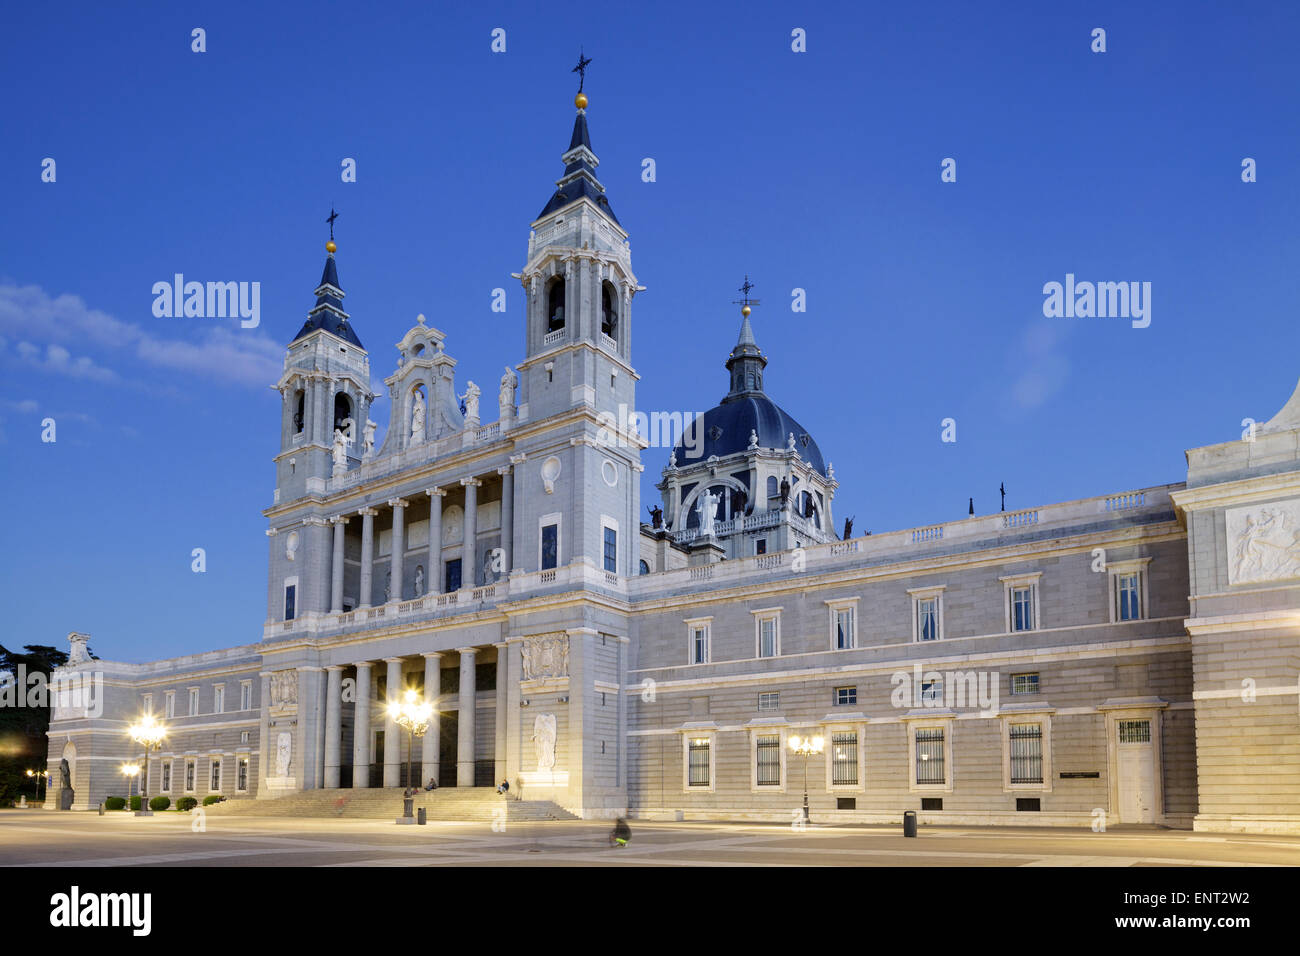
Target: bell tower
578,285
325,388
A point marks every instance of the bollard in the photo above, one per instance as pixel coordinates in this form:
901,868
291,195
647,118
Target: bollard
909,823
421,817
101,809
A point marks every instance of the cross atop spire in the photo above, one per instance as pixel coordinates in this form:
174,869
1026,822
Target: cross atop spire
746,302
332,216
581,68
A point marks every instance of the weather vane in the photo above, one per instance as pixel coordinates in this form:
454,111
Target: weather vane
746,301
581,68
333,215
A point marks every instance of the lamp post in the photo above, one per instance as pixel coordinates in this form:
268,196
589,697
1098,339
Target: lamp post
413,713
148,733
131,770
39,777
805,747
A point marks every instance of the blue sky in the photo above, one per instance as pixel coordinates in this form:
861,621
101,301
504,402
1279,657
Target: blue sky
816,170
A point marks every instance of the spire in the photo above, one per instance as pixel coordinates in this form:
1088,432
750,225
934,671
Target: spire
328,312
579,160
746,362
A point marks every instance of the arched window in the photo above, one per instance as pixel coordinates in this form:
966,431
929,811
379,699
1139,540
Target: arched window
555,306
609,310
645,568
342,410
773,488
300,411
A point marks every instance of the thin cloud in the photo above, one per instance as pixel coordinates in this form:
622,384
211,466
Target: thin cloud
50,328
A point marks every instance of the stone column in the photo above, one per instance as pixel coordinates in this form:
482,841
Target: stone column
264,747
395,562
503,672
430,744
393,732
367,554
336,568
361,729
507,519
333,724
465,719
323,390
514,716
469,547
434,576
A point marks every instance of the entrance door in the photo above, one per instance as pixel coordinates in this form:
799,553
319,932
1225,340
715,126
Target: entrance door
1137,772
448,738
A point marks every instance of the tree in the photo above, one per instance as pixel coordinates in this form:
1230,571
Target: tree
23,741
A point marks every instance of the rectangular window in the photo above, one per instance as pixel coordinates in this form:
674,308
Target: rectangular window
844,634
700,644
932,692
845,695
290,593
215,775
246,695
194,701
241,774
550,546
1128,592
929,755
1026,753
698,769
453,576
1135,731
760,546
219,699
611,550
147,703
191,769
844,758
767,637
769,761
167,777
1024,684
769,701
170,704
927,619
1022,608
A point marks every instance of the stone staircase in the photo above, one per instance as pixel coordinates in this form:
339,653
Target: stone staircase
470,804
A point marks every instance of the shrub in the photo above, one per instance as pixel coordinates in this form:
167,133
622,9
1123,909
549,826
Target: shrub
186,803
160,803
135,802
115,803
212,798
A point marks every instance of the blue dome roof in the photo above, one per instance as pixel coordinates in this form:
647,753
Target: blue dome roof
727,428
745,409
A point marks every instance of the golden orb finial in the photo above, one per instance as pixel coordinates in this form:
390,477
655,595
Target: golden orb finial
580,101
330,247
745,311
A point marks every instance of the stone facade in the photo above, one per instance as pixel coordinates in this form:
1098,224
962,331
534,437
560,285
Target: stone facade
1040,666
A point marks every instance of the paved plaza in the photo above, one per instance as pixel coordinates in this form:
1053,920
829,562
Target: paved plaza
36,838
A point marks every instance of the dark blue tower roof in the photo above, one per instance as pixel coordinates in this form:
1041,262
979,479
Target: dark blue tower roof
328,312
579,177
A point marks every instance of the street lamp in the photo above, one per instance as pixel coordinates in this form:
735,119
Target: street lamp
805,747
149,734
132,770
39,776
413,713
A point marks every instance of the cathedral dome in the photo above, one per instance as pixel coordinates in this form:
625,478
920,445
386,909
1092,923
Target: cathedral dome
747,410
727,429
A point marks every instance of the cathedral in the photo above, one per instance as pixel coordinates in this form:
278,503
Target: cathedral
1128,658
